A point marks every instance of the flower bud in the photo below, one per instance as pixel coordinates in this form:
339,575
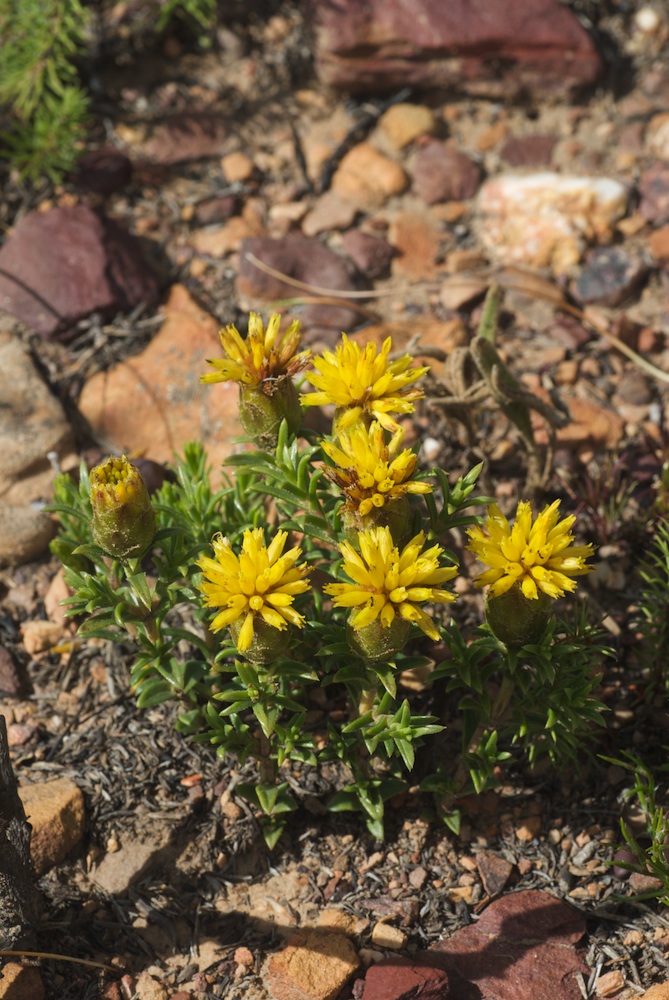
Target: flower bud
515,620
395,514
378,642
261,413
124,522
267,643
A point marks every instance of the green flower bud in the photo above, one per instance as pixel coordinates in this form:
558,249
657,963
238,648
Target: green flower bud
378,642
261,413
395,514
267,643
515,620
124,522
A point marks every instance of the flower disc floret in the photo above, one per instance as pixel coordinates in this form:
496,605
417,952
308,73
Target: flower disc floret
369,471
364,383
262,582
538,556
387,582
264,359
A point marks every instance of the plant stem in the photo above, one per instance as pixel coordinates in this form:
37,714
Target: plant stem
497,712
266,767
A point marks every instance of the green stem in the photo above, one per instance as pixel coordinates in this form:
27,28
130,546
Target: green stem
266,766
495,717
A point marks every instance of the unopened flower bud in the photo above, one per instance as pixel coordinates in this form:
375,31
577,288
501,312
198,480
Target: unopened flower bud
514,620
124,522
378,642
396,514
261,412
267,644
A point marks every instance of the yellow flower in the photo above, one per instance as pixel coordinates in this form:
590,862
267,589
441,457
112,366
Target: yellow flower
124,522
364,384
260,361
370,471
538,557
260,584
387,582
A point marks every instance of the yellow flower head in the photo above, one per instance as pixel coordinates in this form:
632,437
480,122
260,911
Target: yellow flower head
387,582
539,556
365,384
370,471
263,360
262,582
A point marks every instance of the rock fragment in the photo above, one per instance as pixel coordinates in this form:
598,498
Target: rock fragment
400,979
186,137
55,809
547,219
314,965
367,178
402,124
484,48
528,150
522,948
25,533
654,192
370,254
62,265
442,173
307,260
610,277
154,403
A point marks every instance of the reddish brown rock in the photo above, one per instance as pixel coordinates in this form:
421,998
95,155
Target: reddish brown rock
481,46
522,948
442,173
370,254
654,191
216,209
154,403
184,138
528,150
495,871
13,681
102,171
306,260
60,266
399,979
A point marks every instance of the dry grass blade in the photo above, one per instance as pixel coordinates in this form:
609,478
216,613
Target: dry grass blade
533,285
59,958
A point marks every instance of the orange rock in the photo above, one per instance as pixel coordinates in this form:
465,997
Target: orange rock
445,334
658,992
417,243
658,241
368,178
313,966
21,982
55,810
591,423
153,403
